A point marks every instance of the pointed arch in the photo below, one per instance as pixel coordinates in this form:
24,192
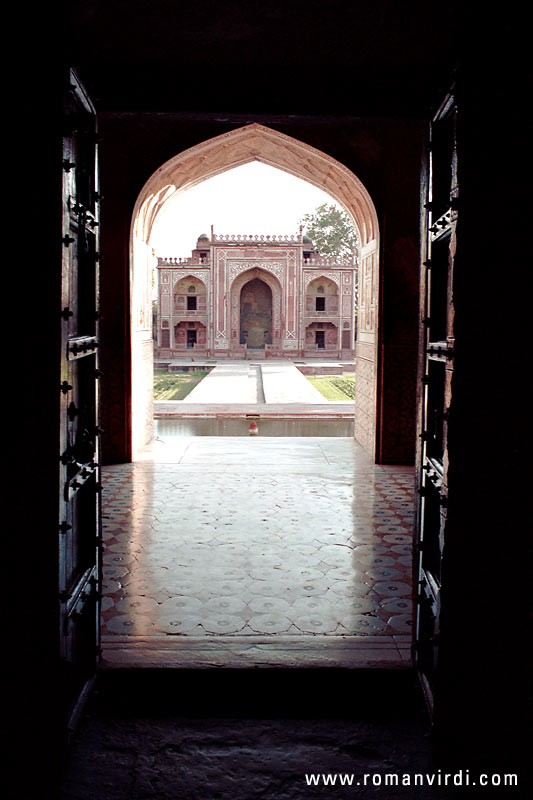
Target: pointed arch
190,283
235,299
255,143
212,157
332,280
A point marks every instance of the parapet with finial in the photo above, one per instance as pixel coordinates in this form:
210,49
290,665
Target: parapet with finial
333,261
194,261
255,239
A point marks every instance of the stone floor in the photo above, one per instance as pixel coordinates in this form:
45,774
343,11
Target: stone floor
250,735
289,554
236,551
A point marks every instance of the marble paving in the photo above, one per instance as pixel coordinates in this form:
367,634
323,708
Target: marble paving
270,382
283,542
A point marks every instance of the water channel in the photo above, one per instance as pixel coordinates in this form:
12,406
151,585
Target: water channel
240,426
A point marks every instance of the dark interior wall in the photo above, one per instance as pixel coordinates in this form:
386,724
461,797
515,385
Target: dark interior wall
115,353
293,57
383,153
399,300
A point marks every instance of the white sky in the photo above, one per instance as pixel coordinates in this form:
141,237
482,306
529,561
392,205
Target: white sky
253,198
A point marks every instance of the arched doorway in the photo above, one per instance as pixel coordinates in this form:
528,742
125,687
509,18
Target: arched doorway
189,335
255,296
255,143
255,314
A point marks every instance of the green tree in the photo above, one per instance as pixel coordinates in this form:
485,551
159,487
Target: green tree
331,230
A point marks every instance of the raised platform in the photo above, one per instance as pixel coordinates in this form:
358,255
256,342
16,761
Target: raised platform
240,652
307,366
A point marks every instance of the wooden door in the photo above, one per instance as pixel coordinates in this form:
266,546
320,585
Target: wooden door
440,192
79,465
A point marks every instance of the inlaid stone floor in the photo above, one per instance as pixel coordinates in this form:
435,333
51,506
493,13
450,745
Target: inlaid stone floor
244,548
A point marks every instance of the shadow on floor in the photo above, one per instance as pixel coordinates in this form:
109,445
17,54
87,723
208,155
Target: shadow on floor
241,735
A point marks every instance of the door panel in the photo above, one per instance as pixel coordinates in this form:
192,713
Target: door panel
79,469
439,222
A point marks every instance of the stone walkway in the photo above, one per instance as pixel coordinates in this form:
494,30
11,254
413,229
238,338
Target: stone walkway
249,382
274,389
284,383
250,551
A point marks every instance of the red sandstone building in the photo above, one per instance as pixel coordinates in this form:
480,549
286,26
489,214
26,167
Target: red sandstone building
272,295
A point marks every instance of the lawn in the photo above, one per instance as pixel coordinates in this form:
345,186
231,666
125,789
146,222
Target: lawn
175,385
335,387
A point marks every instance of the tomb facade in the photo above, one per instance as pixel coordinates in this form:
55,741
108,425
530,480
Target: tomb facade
256,296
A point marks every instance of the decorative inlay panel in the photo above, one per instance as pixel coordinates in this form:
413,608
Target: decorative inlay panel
365,350
203,276
165,301
310,276
275,267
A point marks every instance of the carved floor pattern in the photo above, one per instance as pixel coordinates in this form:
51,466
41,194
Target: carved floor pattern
237,536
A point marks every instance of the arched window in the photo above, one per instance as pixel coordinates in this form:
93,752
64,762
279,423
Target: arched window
320,293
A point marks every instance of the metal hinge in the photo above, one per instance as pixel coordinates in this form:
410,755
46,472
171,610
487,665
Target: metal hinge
439,350
81,346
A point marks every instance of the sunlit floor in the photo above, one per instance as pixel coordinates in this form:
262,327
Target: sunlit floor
235,551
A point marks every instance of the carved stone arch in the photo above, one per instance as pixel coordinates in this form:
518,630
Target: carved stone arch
183,283
331,278
217,155
255,143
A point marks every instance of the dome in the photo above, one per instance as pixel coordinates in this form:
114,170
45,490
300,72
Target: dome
307,240
203,237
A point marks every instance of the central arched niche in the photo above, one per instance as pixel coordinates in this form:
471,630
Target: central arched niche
271,301
256,314
209,158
